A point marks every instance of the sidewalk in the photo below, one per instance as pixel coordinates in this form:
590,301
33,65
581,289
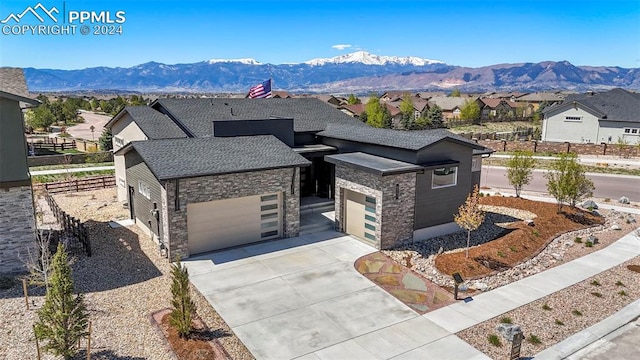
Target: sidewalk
586,159
71,170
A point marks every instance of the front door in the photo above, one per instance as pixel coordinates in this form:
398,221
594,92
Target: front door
132,192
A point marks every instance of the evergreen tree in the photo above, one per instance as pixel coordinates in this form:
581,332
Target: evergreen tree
408,112
105,140
63,319
183,307
353,100
430,118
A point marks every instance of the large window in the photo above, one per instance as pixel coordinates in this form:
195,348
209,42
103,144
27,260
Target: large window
444,176
144,190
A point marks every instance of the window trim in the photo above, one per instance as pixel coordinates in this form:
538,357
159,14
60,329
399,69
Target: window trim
455,178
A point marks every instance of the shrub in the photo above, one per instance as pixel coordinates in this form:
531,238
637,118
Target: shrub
576,312
596,294
588,244
494,340
595,283
501,254
546,307
578,240
558,322
622,293
619,283
535,233
513,248
183,307
506,320
534,339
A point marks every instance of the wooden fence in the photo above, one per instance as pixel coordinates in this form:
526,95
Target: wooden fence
76,185
52,144
70,225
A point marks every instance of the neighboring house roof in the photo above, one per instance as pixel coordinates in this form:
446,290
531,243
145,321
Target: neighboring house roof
429,94
493,103
189,157
154,124
448,103
355,109
410,140
14,86
613,105
280,94
308,114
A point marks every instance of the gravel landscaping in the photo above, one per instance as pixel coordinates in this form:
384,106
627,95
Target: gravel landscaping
125,281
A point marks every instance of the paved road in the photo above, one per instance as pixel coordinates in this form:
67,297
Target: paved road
607,185
83,131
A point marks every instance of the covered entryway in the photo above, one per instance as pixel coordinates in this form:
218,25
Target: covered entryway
220,224
360,216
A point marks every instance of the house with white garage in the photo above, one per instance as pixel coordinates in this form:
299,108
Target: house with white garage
607,117
206,174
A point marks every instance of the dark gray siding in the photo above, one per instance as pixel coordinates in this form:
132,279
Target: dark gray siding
280,128
475,179
305,138
136,171
438,206
13,147
345,146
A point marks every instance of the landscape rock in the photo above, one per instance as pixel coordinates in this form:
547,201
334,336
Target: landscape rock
556,256
480,286
529,222
615,227
592,239
590,204
508,331
631,219
623,200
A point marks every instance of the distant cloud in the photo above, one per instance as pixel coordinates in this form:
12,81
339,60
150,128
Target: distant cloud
341,46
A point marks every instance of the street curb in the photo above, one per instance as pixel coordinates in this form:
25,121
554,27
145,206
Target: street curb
591,334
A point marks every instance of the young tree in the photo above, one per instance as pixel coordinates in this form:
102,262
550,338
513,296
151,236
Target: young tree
470,110
469,216
408,112
183,307
455,93
353,100
63,319
40,117
377,114
567,181
519,170
105,140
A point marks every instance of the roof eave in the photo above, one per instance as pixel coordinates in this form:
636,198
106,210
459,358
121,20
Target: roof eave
166,178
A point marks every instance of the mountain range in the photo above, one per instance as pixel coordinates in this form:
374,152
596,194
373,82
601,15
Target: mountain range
359,72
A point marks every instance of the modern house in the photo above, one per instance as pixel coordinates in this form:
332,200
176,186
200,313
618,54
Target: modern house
451,106
17,223
205,174
606,117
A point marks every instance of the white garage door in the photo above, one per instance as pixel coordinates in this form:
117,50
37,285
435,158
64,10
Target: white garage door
361,216
220,224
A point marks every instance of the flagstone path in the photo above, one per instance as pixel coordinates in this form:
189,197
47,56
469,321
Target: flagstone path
418,293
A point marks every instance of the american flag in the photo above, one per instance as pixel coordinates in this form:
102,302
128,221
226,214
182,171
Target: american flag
260,91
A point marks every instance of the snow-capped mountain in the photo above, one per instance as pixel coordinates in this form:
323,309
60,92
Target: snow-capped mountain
246,61
366,58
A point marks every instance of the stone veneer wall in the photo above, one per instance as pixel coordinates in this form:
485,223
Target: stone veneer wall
17,228
228,186
395,217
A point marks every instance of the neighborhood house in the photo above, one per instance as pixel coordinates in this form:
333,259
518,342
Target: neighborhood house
206,174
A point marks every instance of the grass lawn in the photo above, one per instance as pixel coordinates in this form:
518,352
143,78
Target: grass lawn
546,164
490,127
69,176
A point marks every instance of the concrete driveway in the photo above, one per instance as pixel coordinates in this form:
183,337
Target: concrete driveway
302,298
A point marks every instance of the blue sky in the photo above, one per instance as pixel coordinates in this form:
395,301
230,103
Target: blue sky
458,32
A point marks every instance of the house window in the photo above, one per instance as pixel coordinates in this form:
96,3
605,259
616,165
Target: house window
444,177
118,141
144,189
631,131
573,118
476,163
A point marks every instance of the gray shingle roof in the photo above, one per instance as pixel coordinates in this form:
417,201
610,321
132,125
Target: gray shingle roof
613,105
12,82
309,115
410,140
191,157
154,124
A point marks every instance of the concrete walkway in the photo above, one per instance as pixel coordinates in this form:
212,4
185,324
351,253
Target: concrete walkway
71,170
